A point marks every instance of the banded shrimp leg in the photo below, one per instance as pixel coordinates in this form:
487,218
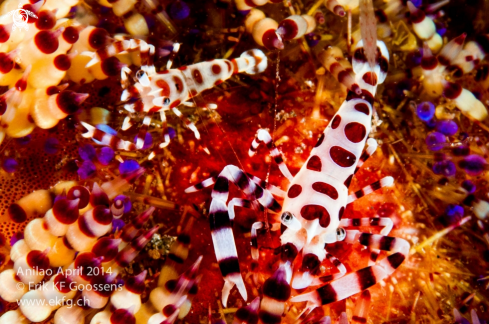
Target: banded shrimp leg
264,137
365,278
386,181
384,222
250,204
221,215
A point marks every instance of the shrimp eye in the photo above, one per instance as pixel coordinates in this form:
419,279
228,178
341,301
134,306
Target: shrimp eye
286,217
142,78
166,102
340,234
139,74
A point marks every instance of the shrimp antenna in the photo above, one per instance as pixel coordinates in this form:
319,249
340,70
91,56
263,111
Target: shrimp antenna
368,29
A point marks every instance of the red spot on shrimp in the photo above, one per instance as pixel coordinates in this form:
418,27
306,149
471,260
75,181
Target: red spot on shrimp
154,109
359,55
370,78
175,104
384,64
294,191
325,188
362,107
228,65
320,140
312,212
197,76
235,66
365,95
342,157
341,212
178,84
165,88
314,163
355,132
216,69
336,122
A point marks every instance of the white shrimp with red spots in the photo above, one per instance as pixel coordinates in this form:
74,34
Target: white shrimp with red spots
313,206
165,90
